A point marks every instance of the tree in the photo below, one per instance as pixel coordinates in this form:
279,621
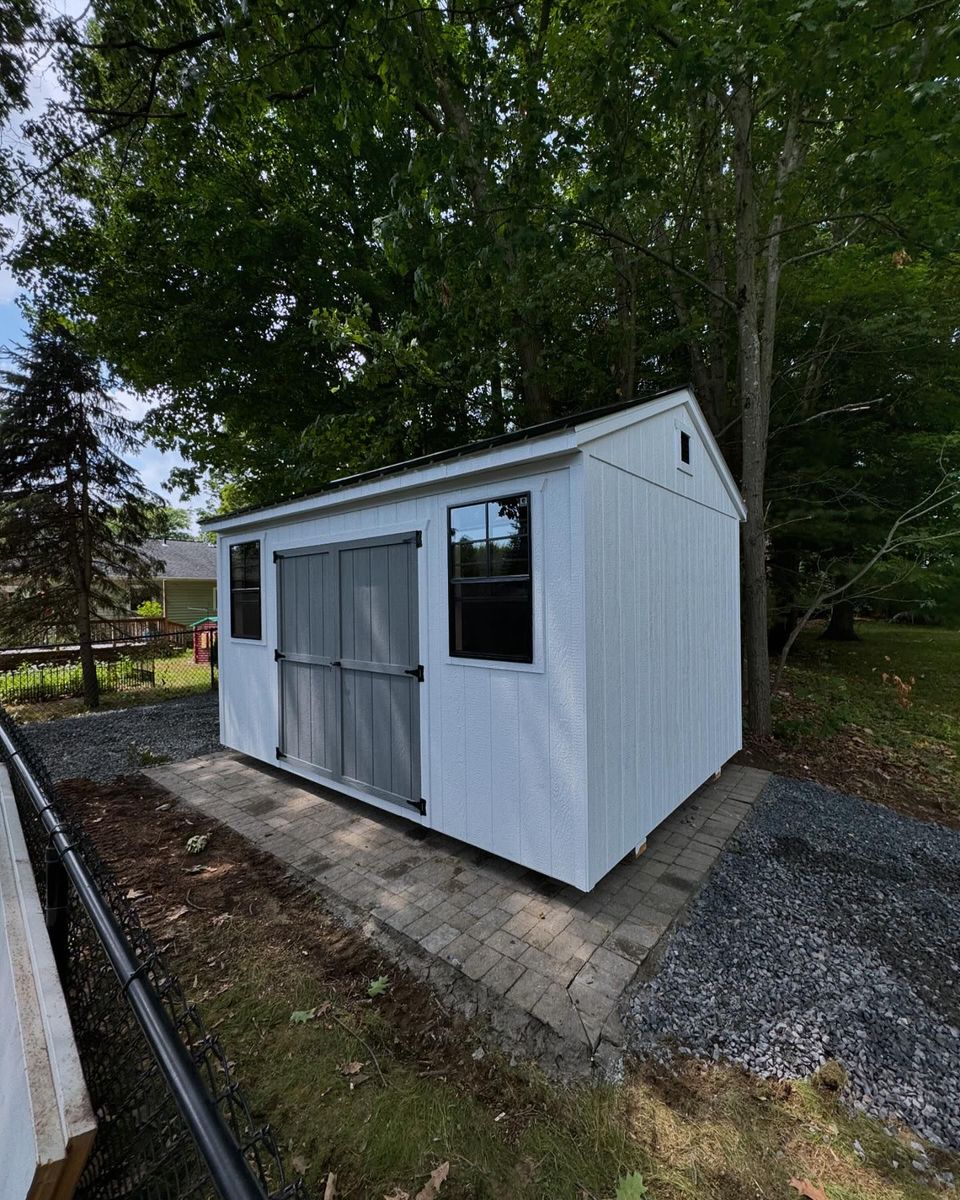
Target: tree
166,521
73,513
372,232
788,132
19,20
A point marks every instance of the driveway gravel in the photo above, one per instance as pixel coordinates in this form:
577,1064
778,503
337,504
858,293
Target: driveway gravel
121,741
829,929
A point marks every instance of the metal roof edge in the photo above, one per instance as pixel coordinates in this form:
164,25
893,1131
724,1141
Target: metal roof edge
573,421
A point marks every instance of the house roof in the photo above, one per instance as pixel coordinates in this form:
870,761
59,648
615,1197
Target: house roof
183,560
550,430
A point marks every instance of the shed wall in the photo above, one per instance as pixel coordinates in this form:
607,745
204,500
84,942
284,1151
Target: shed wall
503,745
663,648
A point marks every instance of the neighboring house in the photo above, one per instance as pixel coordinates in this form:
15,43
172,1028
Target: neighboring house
531,643
187,585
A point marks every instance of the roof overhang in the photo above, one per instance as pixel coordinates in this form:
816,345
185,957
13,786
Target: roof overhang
429,477
510,452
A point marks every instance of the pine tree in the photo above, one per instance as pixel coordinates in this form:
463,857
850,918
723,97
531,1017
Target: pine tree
73,513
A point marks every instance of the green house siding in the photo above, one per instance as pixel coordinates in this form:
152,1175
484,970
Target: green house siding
187,600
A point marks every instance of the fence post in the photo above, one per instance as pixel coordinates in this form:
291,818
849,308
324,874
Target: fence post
56,907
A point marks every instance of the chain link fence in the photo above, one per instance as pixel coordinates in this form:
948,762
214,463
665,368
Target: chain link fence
154,666
145,1147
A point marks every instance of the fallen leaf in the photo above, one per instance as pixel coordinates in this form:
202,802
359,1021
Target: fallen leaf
398,1194
299,1164
177,913
134,894
330,1191
808,1189
303,1016
350,1068
431,1188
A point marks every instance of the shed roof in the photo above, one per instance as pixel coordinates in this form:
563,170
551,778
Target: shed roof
182,559
574,421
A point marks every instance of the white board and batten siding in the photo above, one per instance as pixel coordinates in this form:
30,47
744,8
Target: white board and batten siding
502,745
632,699
663,605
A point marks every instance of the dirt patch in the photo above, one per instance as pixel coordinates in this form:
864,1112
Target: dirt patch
186,900
851,762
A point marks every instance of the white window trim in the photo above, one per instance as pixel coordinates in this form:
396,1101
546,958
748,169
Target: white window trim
480,494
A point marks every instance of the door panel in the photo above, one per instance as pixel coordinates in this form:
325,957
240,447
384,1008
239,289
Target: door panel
307,642
348,650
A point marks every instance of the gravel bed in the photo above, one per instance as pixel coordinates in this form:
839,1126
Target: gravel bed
829,929
121,741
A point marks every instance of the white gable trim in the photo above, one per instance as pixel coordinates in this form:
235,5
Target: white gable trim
685,399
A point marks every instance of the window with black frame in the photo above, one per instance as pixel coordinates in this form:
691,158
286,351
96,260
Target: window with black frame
245,590
491,589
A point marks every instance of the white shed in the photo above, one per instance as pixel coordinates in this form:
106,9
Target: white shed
531,643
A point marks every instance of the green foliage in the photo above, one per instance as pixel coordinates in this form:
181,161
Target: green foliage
369,233
19,20
631,1187
303,1016
378,987
73,513
166,521
150,608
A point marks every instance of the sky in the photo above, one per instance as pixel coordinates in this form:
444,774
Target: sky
153,464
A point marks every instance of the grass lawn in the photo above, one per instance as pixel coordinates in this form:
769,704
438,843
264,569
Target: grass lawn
176,675
842,719
382,1090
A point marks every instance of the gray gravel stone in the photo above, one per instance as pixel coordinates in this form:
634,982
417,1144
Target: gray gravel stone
827,930
121,741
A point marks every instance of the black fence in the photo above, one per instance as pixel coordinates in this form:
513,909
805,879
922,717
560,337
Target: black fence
171,1122
155,666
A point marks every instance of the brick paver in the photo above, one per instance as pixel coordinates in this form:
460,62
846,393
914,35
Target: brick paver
550,957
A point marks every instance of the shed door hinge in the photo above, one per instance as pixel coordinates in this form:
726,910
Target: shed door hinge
418,537
277,655
280,753
276,556
416,672
420,805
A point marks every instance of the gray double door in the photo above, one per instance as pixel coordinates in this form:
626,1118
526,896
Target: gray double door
347,652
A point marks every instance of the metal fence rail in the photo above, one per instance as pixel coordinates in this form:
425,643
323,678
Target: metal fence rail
154,666
172,1123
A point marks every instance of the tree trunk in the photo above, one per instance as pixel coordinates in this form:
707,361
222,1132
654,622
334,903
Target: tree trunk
840,627
754,424
88,660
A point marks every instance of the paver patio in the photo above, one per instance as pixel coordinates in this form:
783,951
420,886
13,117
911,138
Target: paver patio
543,963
